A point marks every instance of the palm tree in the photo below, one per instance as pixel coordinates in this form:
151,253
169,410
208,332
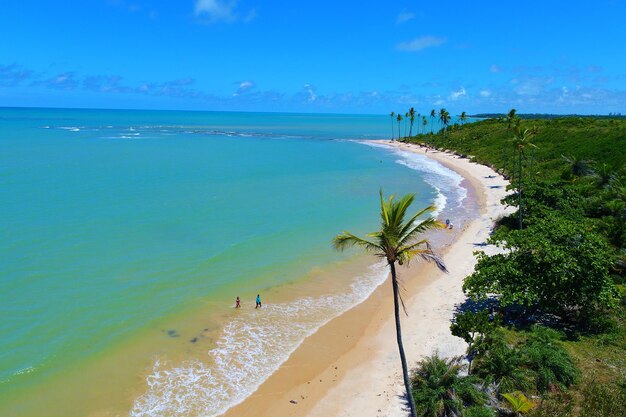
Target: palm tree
579,167
444,117
510,117
522,140
399,119
412,118
393,113
463,118
432,119
440,389
532,156
397,241
424,123
406,119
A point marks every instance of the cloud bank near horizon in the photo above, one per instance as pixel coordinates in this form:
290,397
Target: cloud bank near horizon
528,89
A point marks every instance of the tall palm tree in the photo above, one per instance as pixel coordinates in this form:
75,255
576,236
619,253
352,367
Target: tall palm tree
522,140
424,123
406,120
463,118
412,119
510,117
444,118
397,241
392,114
399,119
532,156
432,119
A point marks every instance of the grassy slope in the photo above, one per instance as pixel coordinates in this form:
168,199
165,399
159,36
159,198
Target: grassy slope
601,358
601,140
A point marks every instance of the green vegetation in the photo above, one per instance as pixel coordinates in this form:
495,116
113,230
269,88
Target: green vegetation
439,389
548,335
397,241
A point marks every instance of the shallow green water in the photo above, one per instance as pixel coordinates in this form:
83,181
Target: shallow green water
113,219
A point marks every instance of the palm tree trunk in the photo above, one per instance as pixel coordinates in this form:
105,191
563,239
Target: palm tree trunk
432,122
519,190
532,159
392,128
504,163
405,369
398,130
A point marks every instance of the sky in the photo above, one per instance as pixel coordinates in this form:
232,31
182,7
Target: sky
340,56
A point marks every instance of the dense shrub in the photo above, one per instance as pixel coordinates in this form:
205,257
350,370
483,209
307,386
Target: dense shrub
500,364
555,265
478,411
550,363
440,390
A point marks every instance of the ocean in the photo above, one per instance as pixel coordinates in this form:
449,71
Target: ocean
127,235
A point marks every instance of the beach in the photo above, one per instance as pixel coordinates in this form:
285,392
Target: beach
350,366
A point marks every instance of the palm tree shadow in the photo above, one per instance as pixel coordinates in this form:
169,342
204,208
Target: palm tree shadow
404,399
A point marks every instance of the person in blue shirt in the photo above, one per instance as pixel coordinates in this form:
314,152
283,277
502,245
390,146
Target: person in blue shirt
258,301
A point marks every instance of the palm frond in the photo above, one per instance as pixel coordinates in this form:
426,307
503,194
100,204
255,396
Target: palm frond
347,240
414,218
398,210
401,292
430,256
383,207
421,227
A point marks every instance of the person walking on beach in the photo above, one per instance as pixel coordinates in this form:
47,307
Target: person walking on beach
237,303
258,301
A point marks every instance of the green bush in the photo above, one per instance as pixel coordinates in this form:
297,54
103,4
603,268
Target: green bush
556,265
440,390
544,355
500,364
478,411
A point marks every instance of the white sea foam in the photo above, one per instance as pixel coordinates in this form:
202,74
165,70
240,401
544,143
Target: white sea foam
445,181
250,349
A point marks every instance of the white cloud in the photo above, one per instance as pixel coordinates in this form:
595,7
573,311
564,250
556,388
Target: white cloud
405,17
311,92
455,95
494,68
485,93
243,87
216,10
420,43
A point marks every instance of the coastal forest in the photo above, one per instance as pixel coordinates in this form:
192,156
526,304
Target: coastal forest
545,319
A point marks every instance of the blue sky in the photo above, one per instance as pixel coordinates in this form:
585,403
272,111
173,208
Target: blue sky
339,56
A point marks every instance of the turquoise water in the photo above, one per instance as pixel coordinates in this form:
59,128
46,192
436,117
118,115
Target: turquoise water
113,219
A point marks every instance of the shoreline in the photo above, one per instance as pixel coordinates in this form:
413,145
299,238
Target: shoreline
350,365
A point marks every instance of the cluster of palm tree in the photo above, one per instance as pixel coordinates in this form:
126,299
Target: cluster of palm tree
409,118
